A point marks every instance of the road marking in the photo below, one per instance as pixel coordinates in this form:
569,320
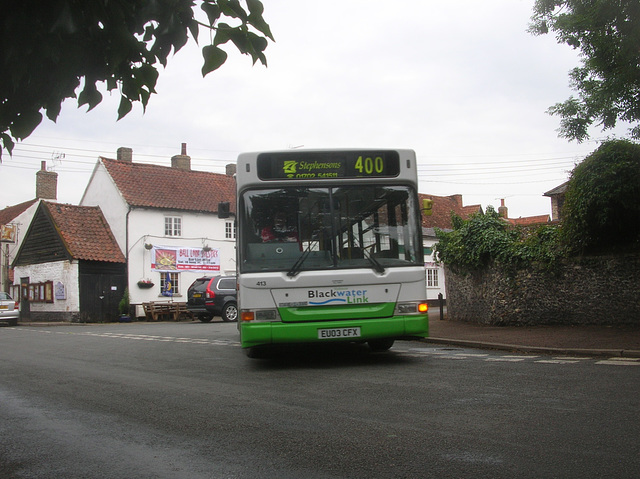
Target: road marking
620,362
571,358
144,337
442,353
557,361
457,354
508,359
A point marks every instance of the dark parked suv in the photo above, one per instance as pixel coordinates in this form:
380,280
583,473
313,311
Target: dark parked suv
213,296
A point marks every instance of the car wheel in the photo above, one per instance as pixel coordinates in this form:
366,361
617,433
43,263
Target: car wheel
380,345
230,312
205,318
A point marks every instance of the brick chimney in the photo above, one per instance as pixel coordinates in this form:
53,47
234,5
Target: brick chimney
181,161
46,183
125,154
231,169
458,200
503,211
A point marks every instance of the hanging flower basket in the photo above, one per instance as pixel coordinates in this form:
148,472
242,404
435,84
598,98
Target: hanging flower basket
145,284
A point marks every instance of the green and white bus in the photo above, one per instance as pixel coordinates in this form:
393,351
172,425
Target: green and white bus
329,248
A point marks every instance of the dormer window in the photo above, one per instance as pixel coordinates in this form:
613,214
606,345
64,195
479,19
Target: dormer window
172,226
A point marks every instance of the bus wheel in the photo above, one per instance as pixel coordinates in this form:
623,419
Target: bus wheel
380,345
205,318
257,352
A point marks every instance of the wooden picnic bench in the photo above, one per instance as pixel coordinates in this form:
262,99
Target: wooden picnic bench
154,311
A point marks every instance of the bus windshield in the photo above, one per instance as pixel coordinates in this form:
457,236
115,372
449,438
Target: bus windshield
300,228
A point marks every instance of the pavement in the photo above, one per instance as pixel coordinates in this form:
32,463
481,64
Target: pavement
579,340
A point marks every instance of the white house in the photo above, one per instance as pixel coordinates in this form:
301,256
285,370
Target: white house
173,224
439,217
14,221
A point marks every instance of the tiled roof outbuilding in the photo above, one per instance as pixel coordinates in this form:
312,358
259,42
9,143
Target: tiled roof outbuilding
85,232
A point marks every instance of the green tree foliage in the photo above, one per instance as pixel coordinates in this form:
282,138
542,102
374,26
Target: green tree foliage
123,305
51,50
607,33
601,212
486,239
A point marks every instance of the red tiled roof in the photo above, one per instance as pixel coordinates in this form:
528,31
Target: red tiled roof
530,220
442,208
154,186
85,232
11,212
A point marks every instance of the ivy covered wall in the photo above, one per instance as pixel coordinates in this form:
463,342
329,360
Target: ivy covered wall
587,290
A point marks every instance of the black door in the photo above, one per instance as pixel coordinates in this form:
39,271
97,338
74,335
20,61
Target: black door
25,311
100,295
102,286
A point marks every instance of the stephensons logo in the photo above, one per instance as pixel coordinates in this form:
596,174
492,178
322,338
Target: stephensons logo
311,169
289,167
344,296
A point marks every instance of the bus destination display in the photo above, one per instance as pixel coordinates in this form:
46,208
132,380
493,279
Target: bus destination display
318,165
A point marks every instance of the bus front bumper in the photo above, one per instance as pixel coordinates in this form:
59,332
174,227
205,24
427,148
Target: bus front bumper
263,333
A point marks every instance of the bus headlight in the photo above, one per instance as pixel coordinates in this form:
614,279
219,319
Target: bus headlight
415,307
266,315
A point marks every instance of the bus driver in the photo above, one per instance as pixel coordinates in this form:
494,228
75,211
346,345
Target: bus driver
279,232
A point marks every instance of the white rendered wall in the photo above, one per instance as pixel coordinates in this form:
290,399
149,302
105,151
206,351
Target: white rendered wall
101,191
64,272
22,221
146,226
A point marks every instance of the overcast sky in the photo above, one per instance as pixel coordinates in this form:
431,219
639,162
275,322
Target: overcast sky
460,82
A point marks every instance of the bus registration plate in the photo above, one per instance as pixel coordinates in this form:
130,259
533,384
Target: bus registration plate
336,333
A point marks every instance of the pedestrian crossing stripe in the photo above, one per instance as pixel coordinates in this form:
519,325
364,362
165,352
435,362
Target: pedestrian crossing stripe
447,353
621,362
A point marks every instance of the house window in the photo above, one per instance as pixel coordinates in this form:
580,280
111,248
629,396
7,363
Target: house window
432,278
229,230
172,226
170,284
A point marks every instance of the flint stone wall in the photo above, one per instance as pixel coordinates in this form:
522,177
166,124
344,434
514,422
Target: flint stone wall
592,290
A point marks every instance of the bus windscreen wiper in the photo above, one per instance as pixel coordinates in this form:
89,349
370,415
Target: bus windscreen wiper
377,267
295,269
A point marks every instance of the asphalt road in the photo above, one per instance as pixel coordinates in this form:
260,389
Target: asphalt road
181,400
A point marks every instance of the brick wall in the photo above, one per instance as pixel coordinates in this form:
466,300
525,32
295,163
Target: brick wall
594,290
